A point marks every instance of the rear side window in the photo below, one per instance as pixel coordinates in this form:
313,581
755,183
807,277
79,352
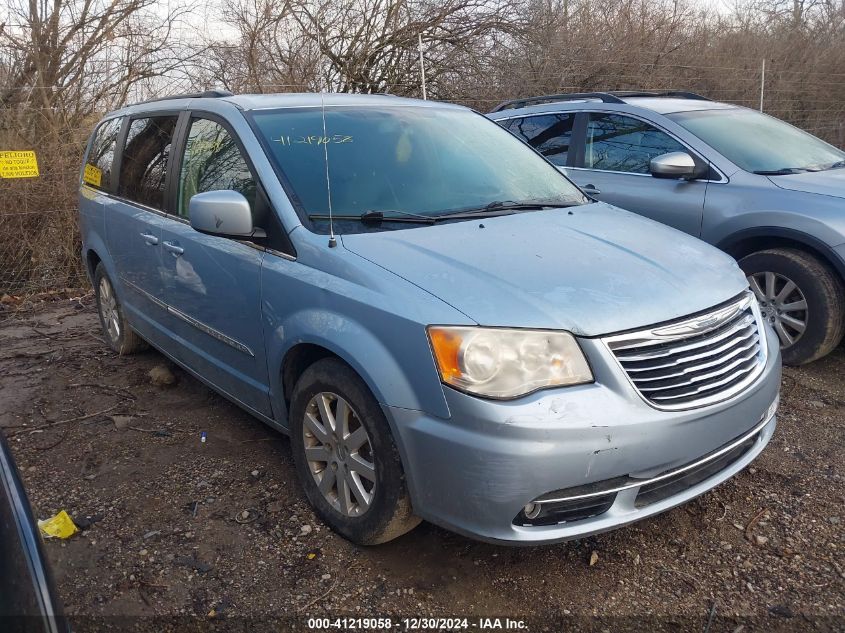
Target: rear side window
549,134
145,155
622,143
213,161
98,164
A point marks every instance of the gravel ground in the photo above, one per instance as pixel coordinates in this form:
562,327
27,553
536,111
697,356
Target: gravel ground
220,532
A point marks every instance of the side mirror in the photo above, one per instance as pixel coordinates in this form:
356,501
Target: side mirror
679,165
225,213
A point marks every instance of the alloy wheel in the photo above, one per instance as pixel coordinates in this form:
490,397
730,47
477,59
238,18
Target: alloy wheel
339,454
782,304
108,309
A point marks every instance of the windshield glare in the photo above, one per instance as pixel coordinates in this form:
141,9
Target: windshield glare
405,160
757,142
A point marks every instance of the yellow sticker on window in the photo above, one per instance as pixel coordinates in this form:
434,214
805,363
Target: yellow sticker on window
92,175
21,164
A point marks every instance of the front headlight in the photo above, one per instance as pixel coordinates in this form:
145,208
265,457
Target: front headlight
504,363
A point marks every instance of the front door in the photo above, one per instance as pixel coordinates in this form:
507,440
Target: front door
212,284
613,166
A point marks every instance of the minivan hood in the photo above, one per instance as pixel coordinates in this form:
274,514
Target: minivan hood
826,183
590,270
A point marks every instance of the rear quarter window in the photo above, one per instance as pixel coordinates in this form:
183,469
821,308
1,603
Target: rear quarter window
98,164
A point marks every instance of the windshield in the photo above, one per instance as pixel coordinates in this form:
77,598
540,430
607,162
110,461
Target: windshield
405,161
759,143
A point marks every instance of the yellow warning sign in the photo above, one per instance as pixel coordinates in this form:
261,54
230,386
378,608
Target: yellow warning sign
92,175
18,164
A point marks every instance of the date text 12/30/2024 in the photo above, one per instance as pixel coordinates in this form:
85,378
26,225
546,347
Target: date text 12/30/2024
417,624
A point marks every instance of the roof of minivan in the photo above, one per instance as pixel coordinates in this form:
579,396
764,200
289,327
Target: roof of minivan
288,100
293,100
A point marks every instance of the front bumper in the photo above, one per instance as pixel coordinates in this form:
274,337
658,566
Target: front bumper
475,472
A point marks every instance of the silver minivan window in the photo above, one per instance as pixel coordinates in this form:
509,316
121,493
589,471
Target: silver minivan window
146,153
759,143
212,161
417,160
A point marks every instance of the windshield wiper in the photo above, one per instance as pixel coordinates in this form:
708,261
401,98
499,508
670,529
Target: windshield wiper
502,207
785,171
377,217
837,165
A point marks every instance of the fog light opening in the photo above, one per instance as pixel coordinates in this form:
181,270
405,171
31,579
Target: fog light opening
532,510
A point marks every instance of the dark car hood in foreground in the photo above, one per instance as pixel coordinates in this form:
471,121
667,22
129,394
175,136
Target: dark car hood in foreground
826,183
593,271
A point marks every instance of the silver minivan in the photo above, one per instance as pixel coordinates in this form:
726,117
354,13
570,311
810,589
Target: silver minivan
445,325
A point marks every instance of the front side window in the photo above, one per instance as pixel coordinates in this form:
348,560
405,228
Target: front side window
98,163
621,143
145,155
212,161
759,143
404,160
549,134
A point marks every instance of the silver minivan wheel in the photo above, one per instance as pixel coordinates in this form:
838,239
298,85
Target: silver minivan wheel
118,333
782,304
108,309
339,454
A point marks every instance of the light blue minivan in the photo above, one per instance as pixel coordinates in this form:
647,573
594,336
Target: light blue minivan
447,328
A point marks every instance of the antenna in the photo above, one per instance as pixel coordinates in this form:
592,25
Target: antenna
332,240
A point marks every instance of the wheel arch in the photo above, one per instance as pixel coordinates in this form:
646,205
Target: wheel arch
745,242
92,260
298,359
396,375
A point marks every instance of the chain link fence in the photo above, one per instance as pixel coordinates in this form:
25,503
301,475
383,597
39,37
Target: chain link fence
39,251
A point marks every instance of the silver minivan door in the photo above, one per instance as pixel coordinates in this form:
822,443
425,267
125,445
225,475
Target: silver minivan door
134,215
212,284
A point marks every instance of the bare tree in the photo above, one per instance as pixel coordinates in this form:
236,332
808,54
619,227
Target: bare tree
63,62
357,45
69,58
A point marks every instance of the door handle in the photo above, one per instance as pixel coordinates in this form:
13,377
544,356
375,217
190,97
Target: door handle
150,239
591,190
173,248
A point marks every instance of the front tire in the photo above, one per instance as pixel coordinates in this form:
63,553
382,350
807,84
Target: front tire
801,297
345,456
119,336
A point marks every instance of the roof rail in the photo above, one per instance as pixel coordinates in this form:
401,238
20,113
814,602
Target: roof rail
208,94
606,97
678,94
612,96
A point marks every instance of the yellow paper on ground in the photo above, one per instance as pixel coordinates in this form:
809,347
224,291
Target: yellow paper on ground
18,164
59,526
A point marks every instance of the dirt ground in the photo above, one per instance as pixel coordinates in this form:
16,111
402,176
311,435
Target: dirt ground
220,531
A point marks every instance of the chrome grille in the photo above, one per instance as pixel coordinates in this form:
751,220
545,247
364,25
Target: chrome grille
696,361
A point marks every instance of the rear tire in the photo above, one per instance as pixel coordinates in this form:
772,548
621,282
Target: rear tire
117,332
351,473
784,280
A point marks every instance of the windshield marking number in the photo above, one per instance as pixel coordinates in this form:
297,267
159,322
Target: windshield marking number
316,140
